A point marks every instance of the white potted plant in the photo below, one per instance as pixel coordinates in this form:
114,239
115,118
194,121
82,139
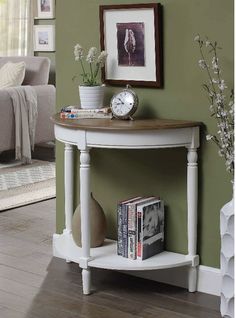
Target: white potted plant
91,91
222,109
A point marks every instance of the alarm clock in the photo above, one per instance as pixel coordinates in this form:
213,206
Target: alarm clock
124,104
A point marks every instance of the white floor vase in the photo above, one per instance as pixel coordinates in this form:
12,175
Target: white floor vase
227,259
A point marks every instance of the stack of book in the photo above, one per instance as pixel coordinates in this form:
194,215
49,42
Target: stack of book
74,112
140,226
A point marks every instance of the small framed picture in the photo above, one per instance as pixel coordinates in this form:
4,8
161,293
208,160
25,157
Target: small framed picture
44,38
46,9
132,37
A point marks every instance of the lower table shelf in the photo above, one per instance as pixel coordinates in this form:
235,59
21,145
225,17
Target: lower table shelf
107,258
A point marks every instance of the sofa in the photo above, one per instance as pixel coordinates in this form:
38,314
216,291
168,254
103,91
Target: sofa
36,75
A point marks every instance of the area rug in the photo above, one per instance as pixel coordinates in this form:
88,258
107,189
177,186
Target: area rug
25,184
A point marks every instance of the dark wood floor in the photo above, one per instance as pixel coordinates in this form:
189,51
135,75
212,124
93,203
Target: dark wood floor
44,151
33,284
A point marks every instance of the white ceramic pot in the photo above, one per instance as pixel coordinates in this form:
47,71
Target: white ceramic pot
91,96
227,259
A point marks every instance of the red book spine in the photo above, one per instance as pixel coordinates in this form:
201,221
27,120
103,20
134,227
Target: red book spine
139,230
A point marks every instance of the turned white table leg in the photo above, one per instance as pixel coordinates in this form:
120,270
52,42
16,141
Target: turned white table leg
85,217
192,197
68,183
86,279
192,279
69,189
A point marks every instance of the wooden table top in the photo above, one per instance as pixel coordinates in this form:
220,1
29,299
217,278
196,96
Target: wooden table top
116,124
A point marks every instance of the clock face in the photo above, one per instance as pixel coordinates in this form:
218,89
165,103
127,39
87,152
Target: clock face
123,104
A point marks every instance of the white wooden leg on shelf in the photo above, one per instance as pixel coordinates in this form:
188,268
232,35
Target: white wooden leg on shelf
86,280
69,189
192,198
85,217
68,184
192,279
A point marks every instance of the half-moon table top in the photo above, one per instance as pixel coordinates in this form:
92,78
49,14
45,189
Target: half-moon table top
123,125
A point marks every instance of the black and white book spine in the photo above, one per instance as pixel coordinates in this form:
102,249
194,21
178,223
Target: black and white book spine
125,225
139,233
150,223
119,229
125,230
132,226
152,229
121,240
132,231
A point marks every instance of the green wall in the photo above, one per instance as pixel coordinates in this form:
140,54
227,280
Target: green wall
50,55
118,174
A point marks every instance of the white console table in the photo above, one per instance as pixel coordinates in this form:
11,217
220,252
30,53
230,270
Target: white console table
138,134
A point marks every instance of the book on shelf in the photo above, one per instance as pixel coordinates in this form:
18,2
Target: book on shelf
122,226
74,112
150,229
132,225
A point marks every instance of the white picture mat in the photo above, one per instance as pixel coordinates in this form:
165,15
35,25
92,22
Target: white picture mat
46,15
113,70
50,30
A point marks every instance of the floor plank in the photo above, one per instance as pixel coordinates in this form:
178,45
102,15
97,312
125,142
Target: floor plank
19,276
33,284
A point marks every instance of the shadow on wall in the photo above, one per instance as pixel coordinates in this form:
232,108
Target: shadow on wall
52,76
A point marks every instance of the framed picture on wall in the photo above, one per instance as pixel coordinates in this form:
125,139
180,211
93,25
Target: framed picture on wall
132,37
46,9
44,38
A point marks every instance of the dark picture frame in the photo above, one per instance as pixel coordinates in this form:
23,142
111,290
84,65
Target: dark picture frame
131,34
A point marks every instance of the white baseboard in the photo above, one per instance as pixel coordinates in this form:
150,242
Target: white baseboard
209,278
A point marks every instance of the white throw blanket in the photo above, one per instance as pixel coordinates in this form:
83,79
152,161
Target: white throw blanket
24,101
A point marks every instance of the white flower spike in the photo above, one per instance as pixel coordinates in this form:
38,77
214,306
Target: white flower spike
221,103
91,54
90,77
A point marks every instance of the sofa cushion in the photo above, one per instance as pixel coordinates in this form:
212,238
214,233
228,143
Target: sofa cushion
12,74
37,68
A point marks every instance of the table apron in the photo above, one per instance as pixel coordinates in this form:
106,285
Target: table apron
143,139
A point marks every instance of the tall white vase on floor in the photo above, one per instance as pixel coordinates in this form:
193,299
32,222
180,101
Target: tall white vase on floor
227,259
